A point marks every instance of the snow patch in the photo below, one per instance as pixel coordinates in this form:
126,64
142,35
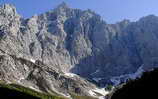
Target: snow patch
97,79
101,97
96,91
101,91
115,81
32,60
34,88
70,74
98,70
19,81
91,93
13,67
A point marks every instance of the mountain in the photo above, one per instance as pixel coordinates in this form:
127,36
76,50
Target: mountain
65,50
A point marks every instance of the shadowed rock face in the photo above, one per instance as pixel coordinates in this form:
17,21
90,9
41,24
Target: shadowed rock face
72,40
139,88
10,94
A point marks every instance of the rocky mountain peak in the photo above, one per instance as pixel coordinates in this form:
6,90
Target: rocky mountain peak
9,19
63,5
150,19
125,21
8,9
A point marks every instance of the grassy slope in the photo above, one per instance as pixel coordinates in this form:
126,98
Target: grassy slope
37,95
74,96
28,91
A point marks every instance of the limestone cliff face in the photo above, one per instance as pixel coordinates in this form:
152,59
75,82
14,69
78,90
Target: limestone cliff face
72,40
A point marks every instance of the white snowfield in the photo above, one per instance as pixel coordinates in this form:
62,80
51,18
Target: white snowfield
100,91
117,80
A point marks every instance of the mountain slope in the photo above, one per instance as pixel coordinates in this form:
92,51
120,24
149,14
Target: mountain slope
10,91
47,51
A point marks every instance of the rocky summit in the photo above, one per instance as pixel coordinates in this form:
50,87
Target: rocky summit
68,50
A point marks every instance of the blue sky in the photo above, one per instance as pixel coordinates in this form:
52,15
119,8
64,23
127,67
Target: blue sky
111,11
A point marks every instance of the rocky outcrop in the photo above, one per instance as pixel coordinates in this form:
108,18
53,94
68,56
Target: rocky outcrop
40,77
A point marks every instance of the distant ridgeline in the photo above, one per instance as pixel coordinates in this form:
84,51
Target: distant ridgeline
146,86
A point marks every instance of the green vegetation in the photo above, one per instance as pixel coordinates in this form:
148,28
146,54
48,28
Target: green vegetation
29,91
74,96
39,95
109,87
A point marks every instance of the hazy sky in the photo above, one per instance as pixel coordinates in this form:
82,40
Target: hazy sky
111,10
